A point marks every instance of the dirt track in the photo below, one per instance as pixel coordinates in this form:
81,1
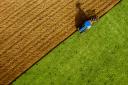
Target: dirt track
31,28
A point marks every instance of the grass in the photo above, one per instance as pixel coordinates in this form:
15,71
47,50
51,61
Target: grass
99,57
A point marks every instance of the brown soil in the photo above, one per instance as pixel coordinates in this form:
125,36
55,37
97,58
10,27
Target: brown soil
29,29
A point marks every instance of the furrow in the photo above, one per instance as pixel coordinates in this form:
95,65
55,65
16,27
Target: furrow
7,23
31,29
92,6
5,6
107,7
47,38
8,13
102,5
22,22
24,66
87,4
26,29
27,40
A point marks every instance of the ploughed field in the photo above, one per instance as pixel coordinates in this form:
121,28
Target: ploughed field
29,29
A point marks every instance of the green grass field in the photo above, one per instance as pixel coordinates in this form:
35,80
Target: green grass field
98,57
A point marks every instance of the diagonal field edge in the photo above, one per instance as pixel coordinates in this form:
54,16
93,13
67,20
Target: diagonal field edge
44,49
